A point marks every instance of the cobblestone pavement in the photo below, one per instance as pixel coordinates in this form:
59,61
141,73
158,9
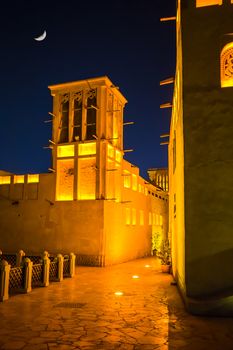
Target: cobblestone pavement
84,313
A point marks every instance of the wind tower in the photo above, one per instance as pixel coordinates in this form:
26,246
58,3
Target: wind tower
87,139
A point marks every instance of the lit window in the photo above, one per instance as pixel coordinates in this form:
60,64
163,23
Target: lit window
139,188
161,220
127,216
134,218
127,179
5,180
201,3
141,217
33,178
227,65
154,220
87,148
134,182
157,220
65,151
110,151
118,156
150,218
18,179
64,121
146,191
65,180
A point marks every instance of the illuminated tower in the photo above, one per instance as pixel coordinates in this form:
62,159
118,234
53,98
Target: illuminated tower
87,139
201,154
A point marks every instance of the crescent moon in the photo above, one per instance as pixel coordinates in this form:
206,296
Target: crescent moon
41,37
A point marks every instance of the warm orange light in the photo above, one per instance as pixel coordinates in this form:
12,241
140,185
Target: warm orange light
33,178
226,65
87,178
110,151
65,151
127,179
88,148
134,216
135,276
201,3
147,266
118,156
141,217
18,179
127,216
118,293
5,180
134,182
65,180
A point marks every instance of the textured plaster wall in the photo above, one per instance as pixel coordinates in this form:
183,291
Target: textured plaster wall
43,224
208,151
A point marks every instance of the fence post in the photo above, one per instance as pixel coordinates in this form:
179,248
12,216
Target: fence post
4,280
72,264
46,264
19,257
28,275
60,260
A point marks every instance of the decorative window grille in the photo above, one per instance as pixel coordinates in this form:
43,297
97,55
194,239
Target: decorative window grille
227,65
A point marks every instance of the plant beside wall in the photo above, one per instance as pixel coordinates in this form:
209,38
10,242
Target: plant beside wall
164,254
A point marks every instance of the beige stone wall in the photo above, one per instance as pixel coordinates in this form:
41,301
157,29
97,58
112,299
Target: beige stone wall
176,170
43,224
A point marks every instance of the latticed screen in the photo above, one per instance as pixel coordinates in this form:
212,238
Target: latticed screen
91,115
77,117
227,65
37,274
64,123
53,270
66,267
16,280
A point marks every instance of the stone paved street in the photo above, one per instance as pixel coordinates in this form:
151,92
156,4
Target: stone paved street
84,313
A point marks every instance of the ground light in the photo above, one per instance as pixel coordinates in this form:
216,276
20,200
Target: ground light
147,266
118,293
135,276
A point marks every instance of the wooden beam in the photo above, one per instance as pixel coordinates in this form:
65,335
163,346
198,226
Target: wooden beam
166,19
164,135
167,81
166,105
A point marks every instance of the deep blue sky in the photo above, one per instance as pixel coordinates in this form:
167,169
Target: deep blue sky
124,40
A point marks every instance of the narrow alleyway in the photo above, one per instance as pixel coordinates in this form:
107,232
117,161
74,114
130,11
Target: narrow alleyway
85,313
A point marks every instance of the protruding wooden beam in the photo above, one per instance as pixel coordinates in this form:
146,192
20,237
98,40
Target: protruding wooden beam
164,135
164,143
166,105
128,150
166,19
167,81
128,123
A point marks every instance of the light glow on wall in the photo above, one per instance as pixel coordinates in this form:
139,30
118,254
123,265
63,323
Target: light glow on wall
110,151
127,216
227,66
88,148
87,178
134,216
150,219
127,179
118,156
201,3
18,179
135,277
141,217
65,151
134,182
33,178
65,180
118,293
5,180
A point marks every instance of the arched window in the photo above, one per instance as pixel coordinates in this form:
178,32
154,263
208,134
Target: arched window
227,65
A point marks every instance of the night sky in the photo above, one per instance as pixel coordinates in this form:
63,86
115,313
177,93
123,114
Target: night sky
121,39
